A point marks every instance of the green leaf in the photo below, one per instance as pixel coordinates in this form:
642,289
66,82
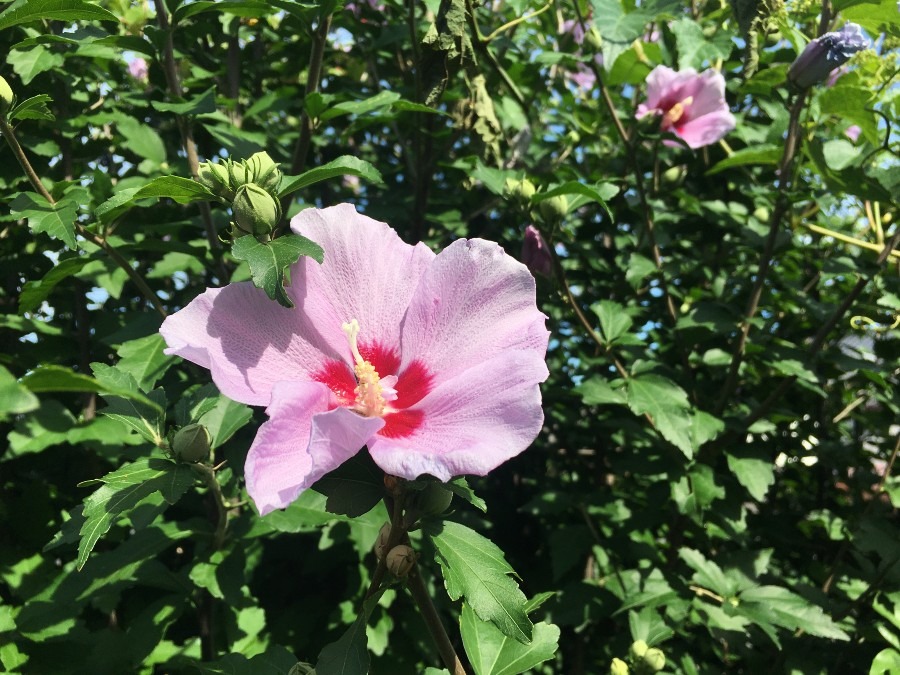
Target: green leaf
598,391
35,292
354,488
141,139
123,490
243,8
199,104
15,398
125,402
886,662
31,63
346,165
600,193
64,10
224,419
614,322
34,108
756,474
144,360
57,220
781,607
707,573
667,405
475,568
349,654
758,154
493,653
460,487
268,261
382,99
59,378
694,49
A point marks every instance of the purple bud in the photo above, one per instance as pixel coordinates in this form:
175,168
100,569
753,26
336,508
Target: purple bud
826,53
535,253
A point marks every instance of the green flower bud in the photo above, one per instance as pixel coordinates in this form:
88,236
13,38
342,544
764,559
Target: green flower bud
264,172
255,210
381,541
654,659
638,649
192,443
519,190
6,96
434,499
400,560
618,667
593,38
239,174
214,177
554,209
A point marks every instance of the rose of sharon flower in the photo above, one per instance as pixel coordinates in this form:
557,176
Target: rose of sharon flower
432,361
138,69
691,105
535,252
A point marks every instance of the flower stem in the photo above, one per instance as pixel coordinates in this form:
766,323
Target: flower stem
433,621
95,239
313,79
208,474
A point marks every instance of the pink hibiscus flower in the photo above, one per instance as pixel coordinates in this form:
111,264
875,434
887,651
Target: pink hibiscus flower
432,361
691,105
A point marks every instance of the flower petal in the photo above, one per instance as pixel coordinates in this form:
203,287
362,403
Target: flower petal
301,442
707,129
247,341
369,274
472,423
473,303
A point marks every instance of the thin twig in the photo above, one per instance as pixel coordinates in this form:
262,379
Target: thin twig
313,80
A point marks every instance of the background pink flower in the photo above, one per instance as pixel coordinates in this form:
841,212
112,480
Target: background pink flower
691,105
138,69
433,361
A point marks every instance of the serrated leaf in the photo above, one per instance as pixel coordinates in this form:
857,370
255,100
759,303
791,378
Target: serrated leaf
34,108
144,414
144,359
349,654
382,99
614,322
460,487
59,378
268,261
65,10
57,220
598,391
707,573
756,474
224,418
346,165
31,63
759,154
124,489
781,607
492,653
244,8
475,568
35,292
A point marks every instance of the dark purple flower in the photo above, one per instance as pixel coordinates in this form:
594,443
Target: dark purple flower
826,53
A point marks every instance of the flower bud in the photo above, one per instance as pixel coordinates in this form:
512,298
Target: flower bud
638,649
192,443
593,38
264,172
434,499
239,174
400,560
6,96
255,210
381,541
654,659
519,190
826,53
618,667
536,253
554,209
214,177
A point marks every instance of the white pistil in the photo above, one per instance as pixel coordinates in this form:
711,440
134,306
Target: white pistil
370,399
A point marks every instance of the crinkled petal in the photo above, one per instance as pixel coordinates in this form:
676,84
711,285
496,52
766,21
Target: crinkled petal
709,94
473,303
707,129
301,442
666,86
472,423
368,274
247,341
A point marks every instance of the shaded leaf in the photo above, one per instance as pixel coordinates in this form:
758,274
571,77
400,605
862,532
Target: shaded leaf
269,261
